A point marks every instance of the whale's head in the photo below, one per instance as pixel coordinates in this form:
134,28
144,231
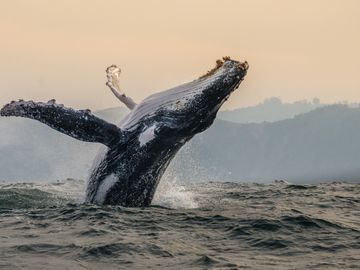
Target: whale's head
210,92
190,108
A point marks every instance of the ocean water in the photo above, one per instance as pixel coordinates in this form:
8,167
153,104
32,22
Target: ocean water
199,226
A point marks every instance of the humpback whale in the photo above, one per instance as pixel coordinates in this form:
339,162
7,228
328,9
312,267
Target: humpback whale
137,151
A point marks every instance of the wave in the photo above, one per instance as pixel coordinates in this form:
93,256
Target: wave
232,226
35,195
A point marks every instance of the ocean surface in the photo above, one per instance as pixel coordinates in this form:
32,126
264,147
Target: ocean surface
199,226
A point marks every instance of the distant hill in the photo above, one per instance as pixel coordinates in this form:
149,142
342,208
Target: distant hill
321,145
271,110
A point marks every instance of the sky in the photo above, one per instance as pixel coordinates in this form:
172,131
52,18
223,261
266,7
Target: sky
60,49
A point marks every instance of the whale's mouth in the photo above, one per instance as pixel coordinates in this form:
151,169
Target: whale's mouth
219,83
196,103
211,90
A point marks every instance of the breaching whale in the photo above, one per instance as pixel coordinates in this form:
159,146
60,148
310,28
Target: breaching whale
137,152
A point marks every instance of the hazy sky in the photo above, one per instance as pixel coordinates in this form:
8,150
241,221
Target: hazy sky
60,49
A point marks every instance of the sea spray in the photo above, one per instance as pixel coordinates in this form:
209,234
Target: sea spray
174,194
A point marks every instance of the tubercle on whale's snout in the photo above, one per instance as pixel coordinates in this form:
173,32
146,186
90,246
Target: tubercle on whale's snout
244,66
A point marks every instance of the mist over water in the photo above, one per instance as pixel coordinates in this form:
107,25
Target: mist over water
209,225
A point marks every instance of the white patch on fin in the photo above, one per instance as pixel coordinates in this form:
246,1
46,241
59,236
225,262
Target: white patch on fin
104,187
147,135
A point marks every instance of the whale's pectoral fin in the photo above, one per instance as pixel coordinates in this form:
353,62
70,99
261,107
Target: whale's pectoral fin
81,125
113,82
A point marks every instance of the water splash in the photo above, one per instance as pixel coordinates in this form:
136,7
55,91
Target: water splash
171,193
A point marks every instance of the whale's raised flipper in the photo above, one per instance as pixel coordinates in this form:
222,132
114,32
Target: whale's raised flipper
113,75
81,125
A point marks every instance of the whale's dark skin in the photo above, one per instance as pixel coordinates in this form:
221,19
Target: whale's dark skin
138,150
